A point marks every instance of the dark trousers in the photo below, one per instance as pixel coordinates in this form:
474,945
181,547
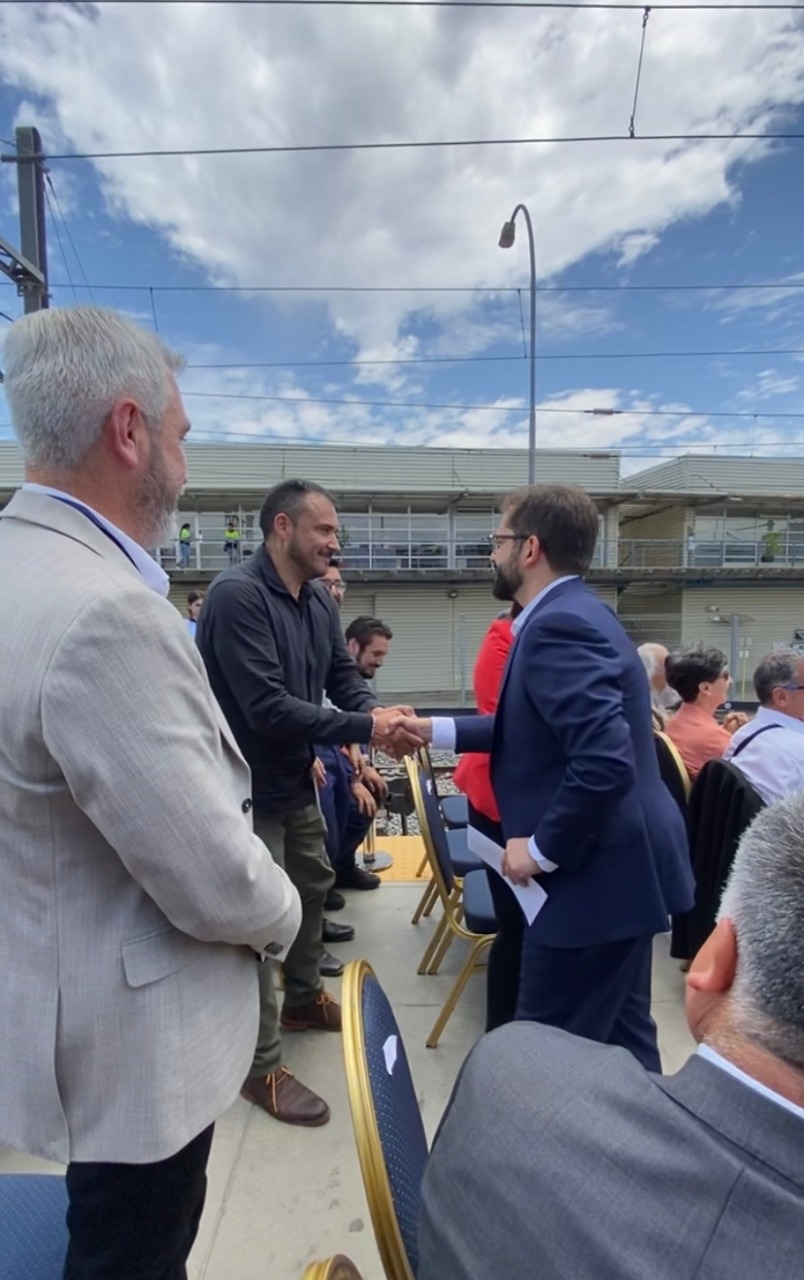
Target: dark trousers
346,825
601,993
505,956
136,1221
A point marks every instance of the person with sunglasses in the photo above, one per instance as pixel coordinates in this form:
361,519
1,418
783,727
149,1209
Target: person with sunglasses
700,677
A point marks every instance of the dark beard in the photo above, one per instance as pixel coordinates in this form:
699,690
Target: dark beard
503,588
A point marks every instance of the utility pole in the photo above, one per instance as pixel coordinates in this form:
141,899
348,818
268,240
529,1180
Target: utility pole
27,266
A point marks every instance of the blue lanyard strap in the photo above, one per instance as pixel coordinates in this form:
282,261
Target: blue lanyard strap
90,515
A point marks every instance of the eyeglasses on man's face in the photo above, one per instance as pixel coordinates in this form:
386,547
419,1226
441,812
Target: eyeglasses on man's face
497,539
337,586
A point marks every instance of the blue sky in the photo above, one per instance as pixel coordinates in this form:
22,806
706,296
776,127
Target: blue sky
721,213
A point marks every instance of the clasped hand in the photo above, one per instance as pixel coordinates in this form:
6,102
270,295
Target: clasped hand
398,731
517,862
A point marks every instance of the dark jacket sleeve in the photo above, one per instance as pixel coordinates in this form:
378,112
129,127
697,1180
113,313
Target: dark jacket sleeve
246,652
474,733
572,675
344,683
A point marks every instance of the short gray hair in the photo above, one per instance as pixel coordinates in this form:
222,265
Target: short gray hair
651,659
764,899
65,368
774,669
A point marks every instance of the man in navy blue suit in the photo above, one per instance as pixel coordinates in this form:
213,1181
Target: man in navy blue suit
576,778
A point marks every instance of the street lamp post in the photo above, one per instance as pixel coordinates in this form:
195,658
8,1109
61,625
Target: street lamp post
507,237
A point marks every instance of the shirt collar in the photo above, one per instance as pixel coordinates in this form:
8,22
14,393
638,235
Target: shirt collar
153,574
519,622
769,715
707,1052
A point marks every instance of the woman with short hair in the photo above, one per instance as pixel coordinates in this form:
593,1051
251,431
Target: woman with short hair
700,677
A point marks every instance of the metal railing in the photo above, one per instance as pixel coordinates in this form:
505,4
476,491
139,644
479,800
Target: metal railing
700,553
211,552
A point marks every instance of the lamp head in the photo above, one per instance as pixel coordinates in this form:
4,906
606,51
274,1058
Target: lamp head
507,235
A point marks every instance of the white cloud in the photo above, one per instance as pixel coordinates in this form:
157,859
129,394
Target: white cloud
634,246
133,77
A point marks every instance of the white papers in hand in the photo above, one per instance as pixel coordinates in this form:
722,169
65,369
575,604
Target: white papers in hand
531,896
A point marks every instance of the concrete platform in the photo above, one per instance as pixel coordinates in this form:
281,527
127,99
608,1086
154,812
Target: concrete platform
280,1197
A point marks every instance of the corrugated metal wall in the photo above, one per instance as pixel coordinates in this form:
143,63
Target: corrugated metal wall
436,639
767,616
247,467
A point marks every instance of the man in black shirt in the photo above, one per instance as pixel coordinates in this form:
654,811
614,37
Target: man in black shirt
273,645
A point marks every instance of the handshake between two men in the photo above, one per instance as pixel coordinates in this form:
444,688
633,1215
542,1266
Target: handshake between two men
399,731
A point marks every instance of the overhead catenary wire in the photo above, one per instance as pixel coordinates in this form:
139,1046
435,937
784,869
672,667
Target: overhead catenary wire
730,287
412,145
517,359
632,121
302,400
66,225
614,5
60,244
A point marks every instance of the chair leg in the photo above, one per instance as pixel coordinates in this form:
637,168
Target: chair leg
432,945
430,891
433,899
444,946
422,866
455,994
456,902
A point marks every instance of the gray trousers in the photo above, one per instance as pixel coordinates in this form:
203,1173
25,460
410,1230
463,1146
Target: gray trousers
296,842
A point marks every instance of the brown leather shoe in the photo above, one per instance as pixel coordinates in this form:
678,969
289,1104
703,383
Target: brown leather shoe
286,1098
321,1014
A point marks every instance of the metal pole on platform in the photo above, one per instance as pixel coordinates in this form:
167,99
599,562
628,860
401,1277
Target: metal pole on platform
373,859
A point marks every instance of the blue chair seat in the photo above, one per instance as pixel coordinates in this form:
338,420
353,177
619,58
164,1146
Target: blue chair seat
478,907
455,811
33,1229
461,856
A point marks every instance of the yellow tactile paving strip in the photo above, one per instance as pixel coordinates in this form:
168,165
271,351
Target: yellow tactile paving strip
407,853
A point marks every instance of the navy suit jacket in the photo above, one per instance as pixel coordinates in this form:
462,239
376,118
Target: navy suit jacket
573,764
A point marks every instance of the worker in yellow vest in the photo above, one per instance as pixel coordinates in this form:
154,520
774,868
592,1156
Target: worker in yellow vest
231,542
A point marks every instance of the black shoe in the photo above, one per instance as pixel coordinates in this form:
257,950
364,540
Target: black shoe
330,966
357,878
337,932
334,901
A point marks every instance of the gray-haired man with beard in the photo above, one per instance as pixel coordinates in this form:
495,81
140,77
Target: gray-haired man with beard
133,892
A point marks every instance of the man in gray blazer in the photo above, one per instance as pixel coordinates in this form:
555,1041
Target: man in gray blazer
562,1159
135,899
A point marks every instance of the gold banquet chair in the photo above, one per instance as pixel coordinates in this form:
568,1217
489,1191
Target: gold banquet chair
673,770
390,1137
468,907
455,814
337,1268
462,859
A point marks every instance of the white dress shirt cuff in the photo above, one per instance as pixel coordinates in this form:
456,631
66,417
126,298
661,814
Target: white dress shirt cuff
443,733
544,863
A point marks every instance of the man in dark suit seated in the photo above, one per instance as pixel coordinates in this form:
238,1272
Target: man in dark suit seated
575,775
565,1160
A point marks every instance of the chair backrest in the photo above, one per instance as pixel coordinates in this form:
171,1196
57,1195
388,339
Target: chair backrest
33,1230
722,805
431,826
391,1142
426,761
673,770
337,1268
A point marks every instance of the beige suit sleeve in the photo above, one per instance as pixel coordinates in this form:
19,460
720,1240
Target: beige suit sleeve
129,718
